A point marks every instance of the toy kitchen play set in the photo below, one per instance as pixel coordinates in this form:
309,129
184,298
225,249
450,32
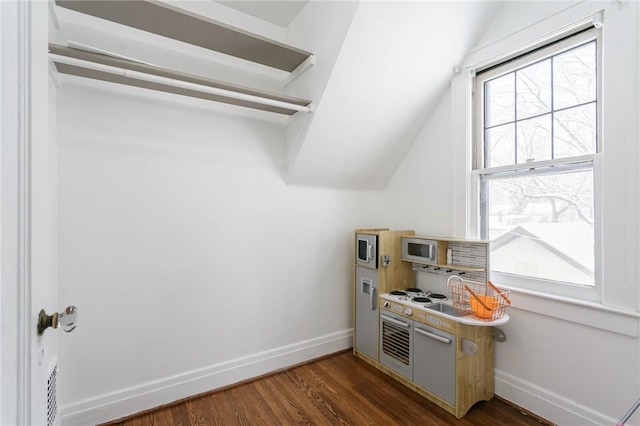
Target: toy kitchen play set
425,314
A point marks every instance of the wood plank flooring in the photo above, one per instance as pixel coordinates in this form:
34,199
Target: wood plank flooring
337,390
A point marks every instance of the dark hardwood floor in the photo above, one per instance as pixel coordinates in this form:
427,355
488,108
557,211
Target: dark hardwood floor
337,390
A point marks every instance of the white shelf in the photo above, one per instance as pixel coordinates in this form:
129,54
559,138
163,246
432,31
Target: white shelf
178,24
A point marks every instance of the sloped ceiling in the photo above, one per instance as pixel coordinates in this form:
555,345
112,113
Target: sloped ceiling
394,66
390,70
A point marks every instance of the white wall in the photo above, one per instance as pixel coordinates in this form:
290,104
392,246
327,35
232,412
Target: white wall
419,194
192,263
574,364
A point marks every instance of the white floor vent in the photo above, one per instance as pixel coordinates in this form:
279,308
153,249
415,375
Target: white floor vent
52,397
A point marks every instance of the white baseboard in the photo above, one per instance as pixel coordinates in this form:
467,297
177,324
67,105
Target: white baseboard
546,404
129,401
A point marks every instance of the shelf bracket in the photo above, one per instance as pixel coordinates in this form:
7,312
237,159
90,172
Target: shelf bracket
301,69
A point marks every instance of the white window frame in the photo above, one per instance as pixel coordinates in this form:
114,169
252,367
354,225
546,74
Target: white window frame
592,162
617,307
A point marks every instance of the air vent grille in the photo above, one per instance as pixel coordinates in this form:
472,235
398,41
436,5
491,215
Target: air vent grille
395,342
52,397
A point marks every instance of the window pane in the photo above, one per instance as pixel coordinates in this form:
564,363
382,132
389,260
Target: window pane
541,226
534,89
534,139
500,142
499,100
575,131
574,76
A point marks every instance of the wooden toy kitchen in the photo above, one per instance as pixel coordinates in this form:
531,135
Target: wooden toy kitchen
437,341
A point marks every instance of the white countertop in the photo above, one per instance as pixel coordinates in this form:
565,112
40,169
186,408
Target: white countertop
467,319
471,320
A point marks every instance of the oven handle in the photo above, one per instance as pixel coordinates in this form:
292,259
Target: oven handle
432,335
394,321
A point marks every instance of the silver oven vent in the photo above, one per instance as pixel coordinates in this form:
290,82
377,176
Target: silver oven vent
396,342
52,397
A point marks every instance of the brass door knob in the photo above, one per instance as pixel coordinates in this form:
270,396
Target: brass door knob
67,319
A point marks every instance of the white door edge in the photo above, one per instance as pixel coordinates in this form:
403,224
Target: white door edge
18,323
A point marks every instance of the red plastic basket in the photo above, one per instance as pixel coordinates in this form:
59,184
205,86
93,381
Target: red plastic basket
485,302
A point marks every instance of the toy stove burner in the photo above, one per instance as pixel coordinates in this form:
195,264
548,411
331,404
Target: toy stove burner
415,297
437,296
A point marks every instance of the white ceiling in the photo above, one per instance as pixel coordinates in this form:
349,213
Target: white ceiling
280,13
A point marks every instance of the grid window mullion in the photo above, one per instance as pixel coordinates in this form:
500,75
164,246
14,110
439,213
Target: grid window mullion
484,124
553,112
515,117
517,122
